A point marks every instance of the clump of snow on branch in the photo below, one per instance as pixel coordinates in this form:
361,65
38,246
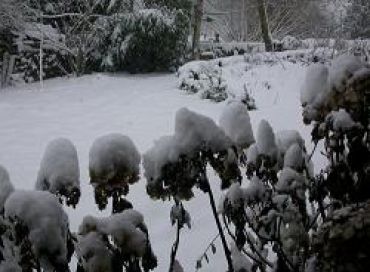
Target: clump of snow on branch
93,253
127,229
6,187
329,87
341,69
266,143
47,223
340,120
194,131
235,121
59,171
113,158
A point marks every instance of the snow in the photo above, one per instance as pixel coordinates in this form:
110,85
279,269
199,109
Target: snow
256,191
291,181
252,154
6,187
124,228
240,261
59,169
285,139
143,108
93,253
266,143
194,131
315,89
113,156
342,68
235,121
294,157
340,121
47,223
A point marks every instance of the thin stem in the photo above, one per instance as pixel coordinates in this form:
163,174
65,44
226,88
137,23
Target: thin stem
218,223
175,247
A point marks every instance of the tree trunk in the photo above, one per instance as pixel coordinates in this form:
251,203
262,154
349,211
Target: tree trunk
264,25
4,74
198,15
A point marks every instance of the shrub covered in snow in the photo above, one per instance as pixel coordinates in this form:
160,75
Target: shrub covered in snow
113,242
177,163
342,84
335,99
146,40
59,171
204,78
46,225
113,164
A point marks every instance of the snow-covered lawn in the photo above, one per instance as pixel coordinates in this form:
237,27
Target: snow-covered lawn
143,108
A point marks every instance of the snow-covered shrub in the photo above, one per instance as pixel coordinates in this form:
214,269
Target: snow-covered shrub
175,164
178,163
338,106
59,171
290,43
342,84
113,242
46,226
347,228
269,211
113,164
146,40
205,78
235,121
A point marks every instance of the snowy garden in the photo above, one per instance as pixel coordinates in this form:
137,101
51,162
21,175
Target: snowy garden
228,156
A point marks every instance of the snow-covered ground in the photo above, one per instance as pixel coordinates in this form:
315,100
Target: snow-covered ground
143,108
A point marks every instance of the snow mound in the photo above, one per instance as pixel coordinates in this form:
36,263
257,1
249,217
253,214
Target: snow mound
47,223
6,187
59,171
114,158
285,139
235,121
127,229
